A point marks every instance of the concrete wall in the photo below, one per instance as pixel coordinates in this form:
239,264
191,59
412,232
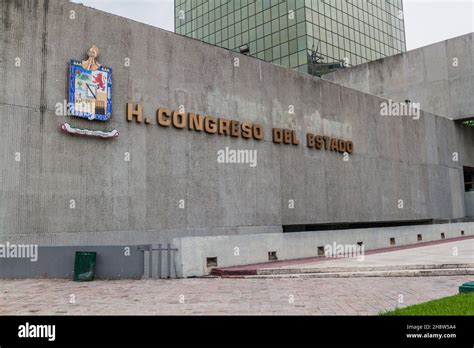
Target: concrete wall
120,203
440,77
469,197
58,262
191,260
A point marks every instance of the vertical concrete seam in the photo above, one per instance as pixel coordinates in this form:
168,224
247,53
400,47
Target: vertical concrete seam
44,54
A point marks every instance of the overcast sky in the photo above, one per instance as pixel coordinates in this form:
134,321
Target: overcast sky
426,21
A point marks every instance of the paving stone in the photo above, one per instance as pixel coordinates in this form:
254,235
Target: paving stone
227,296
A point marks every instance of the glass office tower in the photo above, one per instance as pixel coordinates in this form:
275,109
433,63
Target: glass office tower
308,35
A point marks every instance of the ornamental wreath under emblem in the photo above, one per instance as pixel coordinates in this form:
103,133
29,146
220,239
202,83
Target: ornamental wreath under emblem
90,94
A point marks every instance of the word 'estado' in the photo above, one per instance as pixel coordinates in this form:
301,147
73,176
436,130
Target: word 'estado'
320,142
199,123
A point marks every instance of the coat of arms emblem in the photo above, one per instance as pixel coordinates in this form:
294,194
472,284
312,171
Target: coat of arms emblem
90,94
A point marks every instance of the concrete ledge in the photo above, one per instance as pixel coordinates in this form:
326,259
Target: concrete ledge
128,237
395,273
281,271
192,258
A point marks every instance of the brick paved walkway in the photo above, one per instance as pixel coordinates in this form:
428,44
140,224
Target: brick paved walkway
221,296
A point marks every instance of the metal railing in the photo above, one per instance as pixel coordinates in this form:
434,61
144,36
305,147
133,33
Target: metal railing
168,250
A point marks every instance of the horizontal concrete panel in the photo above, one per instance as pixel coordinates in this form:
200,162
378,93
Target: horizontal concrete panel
191,259
112,262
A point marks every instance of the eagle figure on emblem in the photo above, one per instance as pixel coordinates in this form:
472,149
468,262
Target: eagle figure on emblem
91,63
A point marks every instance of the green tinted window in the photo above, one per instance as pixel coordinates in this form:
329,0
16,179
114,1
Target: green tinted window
285,31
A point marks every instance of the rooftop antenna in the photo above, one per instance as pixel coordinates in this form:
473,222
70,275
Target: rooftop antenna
314,56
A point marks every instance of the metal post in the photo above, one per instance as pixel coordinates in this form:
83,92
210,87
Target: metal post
169,260
159,261
150,261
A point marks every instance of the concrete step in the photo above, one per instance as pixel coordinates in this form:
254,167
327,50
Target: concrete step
306,265
391,273
304,270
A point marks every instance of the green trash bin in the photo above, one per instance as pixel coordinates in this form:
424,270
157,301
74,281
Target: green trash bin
84,266
467,288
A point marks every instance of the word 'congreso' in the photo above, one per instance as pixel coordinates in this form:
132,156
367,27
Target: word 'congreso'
214,125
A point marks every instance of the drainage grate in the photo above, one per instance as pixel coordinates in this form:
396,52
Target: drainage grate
272,256
211,262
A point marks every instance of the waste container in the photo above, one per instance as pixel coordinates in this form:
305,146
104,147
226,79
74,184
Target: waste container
467,287
84,266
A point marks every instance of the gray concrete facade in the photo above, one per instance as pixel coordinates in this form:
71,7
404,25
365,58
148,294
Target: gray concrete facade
119,202
440,77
